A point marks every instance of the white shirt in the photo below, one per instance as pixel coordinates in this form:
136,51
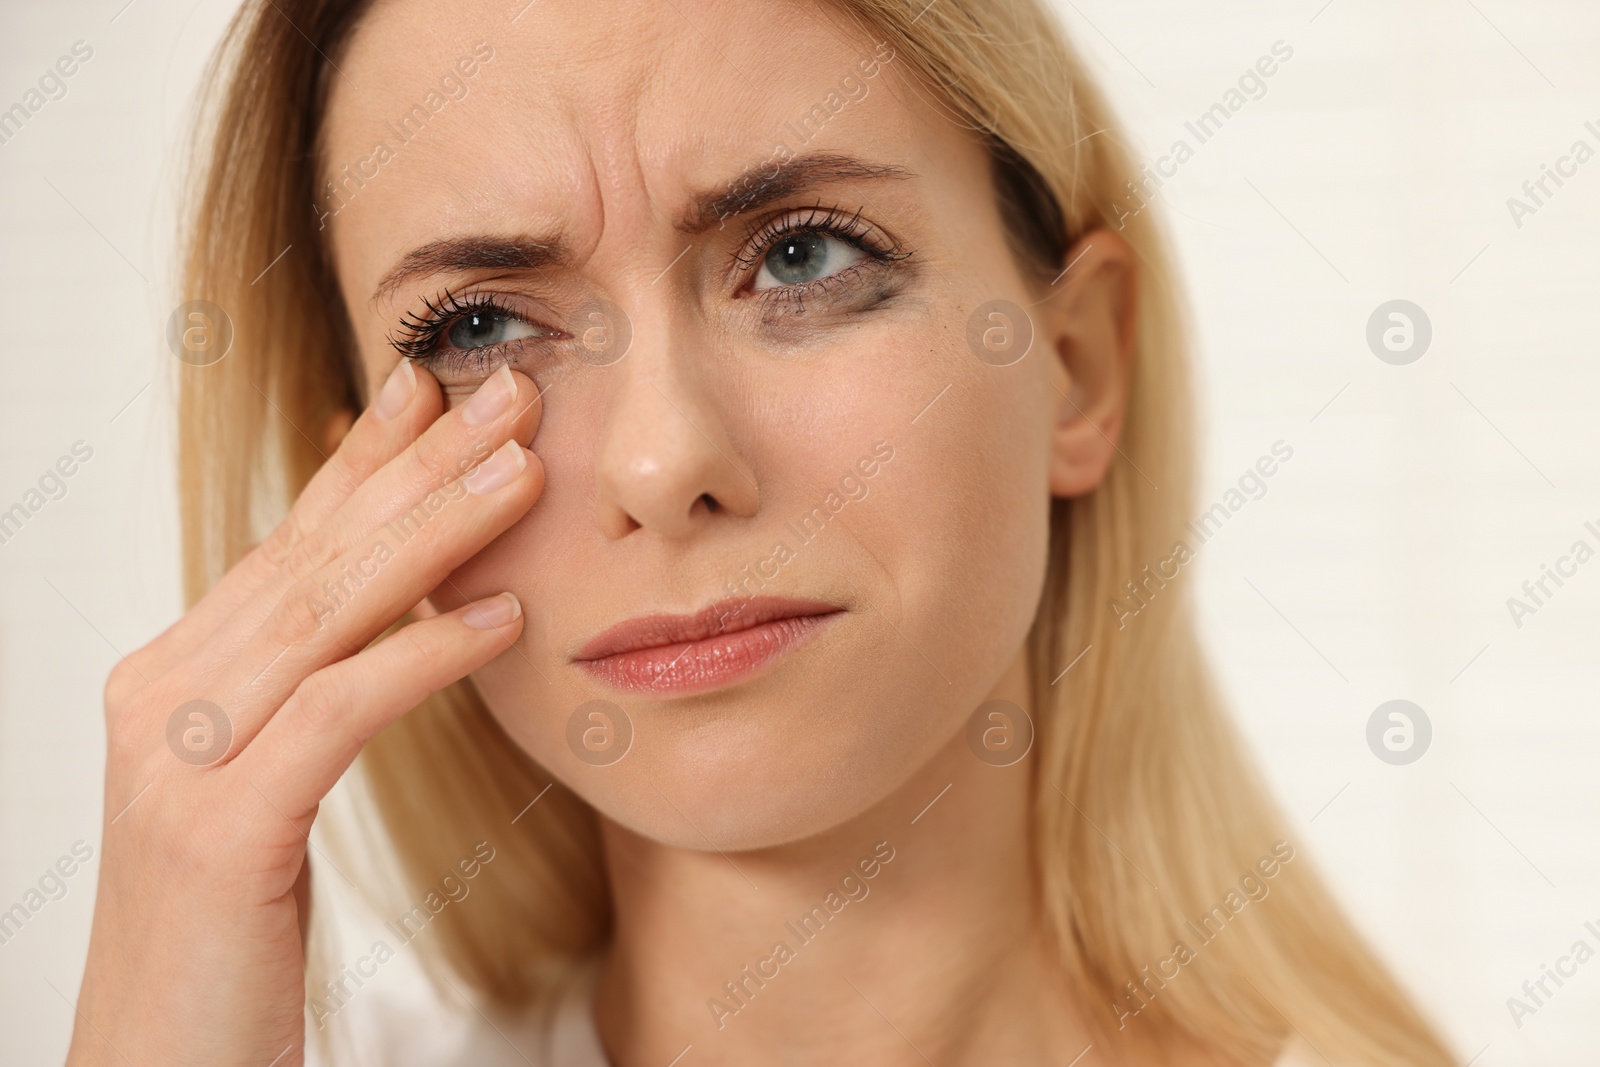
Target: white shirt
403,1025
565,1036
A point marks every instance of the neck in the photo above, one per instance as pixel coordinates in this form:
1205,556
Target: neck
907,935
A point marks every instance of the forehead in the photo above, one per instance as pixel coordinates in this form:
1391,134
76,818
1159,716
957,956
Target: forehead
586,116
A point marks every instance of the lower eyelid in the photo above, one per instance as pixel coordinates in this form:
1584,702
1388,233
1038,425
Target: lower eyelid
852,275
477,361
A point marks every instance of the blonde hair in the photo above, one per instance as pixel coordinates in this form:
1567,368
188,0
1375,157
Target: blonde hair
1147,817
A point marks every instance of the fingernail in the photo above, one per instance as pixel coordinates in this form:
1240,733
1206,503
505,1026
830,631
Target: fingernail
491,612
491,399
506,463
396,393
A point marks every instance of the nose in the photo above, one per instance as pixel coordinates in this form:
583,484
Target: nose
667,462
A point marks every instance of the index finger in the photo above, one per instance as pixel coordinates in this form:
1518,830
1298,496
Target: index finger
407,403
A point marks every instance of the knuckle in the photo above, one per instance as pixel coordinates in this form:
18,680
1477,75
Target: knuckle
127,738
274,550
424,643
446,460
351,465
309,554
136,732
299,614
121,683
321,701
434,459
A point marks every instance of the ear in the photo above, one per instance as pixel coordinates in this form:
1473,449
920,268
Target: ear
1088,320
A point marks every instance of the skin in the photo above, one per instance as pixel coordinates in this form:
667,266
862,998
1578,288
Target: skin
734,810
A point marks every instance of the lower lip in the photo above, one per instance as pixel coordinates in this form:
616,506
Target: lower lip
698,666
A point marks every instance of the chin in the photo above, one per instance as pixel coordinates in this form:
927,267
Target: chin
805,746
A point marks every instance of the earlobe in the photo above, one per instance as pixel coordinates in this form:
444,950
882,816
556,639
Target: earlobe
1088,321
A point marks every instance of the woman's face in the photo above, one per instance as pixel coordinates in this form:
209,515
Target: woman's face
790,241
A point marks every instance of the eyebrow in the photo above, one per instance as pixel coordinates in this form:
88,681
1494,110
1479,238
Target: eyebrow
753,188
457,255
748,191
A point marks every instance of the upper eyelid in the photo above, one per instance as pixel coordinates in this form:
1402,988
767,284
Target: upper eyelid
833,220
847,226
850,226
427,328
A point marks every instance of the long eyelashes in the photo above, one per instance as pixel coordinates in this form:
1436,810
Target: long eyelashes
421,335
417,335
760,237
817,219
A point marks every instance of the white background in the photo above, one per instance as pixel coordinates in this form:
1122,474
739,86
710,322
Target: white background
1378,565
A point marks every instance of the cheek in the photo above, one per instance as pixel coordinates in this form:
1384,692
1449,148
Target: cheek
528,689
539,547
959,518
941,550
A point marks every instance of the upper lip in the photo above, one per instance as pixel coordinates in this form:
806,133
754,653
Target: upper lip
723,617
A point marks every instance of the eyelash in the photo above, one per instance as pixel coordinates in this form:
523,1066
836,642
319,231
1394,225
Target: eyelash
831,221
419,333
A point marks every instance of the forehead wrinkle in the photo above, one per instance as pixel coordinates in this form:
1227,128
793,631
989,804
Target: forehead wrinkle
610,156
630,112
615,123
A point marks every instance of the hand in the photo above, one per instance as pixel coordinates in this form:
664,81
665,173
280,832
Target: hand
196,952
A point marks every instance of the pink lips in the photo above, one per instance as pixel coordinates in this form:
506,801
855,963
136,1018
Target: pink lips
729,640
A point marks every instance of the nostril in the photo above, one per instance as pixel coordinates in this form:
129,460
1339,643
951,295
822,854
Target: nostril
710,502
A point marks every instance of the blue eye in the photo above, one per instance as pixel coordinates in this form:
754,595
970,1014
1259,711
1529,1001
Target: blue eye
450,324
805,257
479,329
